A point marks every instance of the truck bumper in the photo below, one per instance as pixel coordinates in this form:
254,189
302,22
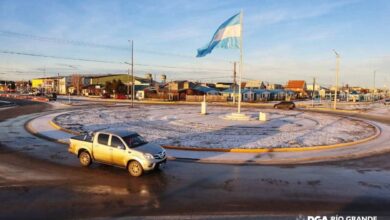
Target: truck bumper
153,164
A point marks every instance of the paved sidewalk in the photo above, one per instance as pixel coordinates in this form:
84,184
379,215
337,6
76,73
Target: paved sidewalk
43,127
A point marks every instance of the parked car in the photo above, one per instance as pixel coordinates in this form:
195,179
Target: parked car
120,148
386,102
106,96
285,105
52,96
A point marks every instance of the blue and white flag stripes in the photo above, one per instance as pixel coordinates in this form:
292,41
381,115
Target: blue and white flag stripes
227,36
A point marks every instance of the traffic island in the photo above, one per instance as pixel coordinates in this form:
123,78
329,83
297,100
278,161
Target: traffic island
373,144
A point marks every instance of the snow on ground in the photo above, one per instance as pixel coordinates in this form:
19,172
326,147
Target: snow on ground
377,108
59,105
184,126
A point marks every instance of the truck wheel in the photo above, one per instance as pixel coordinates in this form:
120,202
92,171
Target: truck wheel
135,168
85,159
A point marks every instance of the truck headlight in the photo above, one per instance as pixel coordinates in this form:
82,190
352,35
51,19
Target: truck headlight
148,156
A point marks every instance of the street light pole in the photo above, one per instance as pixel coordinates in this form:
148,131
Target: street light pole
337,78
132,73
234,83
241,64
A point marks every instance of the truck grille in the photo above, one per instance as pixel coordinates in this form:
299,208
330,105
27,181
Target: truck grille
160,155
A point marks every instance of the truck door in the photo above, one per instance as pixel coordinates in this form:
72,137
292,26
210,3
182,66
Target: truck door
102,151
119,151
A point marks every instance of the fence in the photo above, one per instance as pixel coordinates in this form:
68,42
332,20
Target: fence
209,98
33,98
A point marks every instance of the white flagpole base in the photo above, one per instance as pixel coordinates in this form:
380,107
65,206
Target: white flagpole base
237,117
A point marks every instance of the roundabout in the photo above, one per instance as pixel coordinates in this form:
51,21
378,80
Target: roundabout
288,137
186,128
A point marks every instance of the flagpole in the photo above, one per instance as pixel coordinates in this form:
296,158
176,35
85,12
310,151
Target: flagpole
241,65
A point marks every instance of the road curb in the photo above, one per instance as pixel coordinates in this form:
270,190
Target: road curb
332,110
35,133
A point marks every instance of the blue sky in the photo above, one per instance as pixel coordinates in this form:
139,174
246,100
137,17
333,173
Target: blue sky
282,39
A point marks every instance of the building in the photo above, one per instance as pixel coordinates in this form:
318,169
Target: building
255,84
256,95
297,86
37,83
7,86
274,86
22,86
223,85
230,93
96,84
124,78
180,85
58,84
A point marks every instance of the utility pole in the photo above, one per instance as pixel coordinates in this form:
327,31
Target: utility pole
337,78
128,83
374,91
58,83
234,83
312,94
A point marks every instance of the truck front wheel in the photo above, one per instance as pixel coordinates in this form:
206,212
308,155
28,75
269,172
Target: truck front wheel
85,159
135,168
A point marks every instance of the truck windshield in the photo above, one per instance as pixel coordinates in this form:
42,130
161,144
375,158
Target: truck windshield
134,141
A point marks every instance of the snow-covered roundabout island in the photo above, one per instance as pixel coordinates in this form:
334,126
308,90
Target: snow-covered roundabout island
184,126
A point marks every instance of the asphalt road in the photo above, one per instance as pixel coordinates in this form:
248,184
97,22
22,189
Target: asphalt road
35,188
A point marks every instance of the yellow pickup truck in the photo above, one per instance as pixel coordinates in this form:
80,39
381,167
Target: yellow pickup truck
118,148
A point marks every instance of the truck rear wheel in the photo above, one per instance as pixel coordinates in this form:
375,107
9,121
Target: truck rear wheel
85,159
135,168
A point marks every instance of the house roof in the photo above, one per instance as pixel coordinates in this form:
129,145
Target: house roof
231,90
295,84
204,89
258,91
224,83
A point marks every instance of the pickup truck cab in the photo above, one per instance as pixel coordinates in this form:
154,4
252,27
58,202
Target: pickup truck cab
120,148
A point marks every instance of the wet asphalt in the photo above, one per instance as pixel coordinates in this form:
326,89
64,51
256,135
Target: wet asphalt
39,179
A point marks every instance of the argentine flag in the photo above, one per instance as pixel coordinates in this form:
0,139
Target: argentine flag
227,36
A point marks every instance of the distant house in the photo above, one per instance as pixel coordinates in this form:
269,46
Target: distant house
211,85
124,78
255,84
230,93
179,85
256,95
223,85
274,86
298,86
206,90
309,87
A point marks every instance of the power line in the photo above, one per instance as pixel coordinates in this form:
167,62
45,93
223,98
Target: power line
105,61
57,57
94,45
